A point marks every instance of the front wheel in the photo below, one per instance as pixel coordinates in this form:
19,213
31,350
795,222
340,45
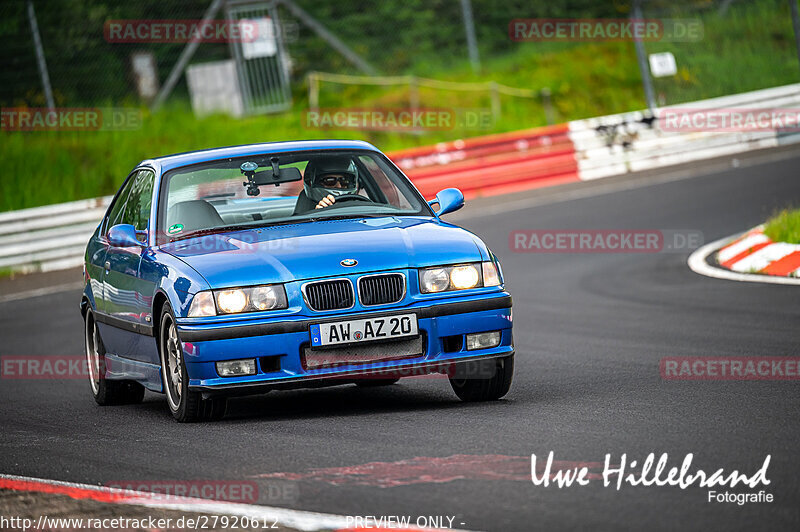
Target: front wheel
185,405
104,391
483,380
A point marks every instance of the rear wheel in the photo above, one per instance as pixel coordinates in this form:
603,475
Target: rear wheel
104,391
185,405
483,380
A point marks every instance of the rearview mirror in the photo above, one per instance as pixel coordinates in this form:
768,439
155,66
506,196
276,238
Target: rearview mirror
275,176
449,200
285,175
123,236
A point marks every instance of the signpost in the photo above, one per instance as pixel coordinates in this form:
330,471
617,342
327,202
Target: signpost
663,64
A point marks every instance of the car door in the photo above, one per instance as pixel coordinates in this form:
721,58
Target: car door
98,247
126,299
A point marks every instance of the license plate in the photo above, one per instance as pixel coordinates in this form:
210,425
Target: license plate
365,330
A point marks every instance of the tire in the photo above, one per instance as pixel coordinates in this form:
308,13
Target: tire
374,383
105,392
214,408
497,383
185,405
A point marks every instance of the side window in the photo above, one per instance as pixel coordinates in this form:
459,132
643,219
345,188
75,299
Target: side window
115,214
393,196
137,208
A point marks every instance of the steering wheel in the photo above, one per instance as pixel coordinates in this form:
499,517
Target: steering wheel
351,197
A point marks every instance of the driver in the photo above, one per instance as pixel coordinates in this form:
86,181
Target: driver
324,179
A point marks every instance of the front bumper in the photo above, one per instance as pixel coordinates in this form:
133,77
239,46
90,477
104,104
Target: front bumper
287,338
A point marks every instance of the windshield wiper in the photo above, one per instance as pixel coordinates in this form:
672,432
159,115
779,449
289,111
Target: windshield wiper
213,230
350,216
244,227
239,227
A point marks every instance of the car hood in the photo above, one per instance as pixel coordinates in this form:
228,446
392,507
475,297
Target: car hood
316,249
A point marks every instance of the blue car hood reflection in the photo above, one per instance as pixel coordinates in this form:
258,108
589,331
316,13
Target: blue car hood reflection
286,253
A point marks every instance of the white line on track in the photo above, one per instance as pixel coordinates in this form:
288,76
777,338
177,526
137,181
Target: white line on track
629,182
580,193
697,263
297,519
39,292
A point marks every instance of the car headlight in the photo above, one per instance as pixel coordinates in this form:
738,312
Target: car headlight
459,277
266,297
238,300
231,301
463,277
491,275
202,305
434,280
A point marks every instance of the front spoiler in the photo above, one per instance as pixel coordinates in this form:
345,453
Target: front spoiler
329,379
204,333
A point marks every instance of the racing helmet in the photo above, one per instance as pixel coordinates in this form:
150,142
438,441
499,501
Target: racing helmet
332,174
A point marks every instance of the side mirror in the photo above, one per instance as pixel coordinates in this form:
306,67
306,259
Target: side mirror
123,236
449,200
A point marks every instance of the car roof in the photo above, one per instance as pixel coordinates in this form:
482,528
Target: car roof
169,162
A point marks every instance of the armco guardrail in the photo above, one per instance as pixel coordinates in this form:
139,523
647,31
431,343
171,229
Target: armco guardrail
631,142
493,164
48,238
54,237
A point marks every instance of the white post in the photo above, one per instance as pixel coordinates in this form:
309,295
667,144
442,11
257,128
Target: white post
313,91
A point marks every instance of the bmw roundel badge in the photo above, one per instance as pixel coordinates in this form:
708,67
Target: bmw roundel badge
348,262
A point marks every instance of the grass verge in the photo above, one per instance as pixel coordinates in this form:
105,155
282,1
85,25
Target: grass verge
784,226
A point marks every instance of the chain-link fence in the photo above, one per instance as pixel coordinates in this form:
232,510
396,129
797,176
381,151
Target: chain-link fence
745,45
84,68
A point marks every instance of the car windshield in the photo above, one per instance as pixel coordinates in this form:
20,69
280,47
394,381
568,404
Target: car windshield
282,188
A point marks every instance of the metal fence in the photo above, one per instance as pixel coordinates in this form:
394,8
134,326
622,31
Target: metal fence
84,68
418,37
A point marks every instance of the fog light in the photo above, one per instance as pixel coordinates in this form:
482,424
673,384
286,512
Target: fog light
236,368
483,340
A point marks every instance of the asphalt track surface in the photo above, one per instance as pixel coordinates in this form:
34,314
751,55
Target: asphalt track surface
590,330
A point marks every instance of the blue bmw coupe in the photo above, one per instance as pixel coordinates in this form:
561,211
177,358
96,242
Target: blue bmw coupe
296,264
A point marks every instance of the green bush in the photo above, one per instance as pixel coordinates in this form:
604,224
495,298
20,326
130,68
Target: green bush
784,226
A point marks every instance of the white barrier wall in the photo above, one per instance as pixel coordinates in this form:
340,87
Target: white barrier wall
48,238
631,142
